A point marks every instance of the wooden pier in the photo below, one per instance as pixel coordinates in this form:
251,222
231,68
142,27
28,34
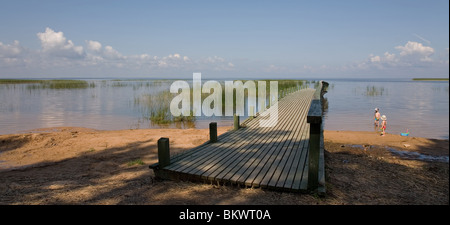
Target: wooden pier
275,157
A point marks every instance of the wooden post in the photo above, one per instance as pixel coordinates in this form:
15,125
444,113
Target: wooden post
213,132
314,153
252,111
236,121
163,152
314,119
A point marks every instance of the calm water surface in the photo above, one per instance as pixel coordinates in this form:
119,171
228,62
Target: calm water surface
420,106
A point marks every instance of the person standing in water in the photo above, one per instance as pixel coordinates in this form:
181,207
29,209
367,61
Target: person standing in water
376,117
383,125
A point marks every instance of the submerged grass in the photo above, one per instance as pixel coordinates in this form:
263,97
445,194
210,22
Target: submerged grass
49,84
62,84
156,107
19,81
430,79
374,91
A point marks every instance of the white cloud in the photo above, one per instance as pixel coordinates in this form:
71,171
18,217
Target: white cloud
411,54
214,59
10,50
110,53
55,44
94,46
375,59
51,39
390,57
144,57
415,50
411,59
62,56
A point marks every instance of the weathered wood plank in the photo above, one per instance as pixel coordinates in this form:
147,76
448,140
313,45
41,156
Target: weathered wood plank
250,175
301,174
266,150
287,146
276,168
300,152
269,157
260,170
238,167
284,171
193,154
199,153
250,149
243,151
231,149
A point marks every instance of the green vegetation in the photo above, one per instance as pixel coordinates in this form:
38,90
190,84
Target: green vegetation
430,79
156,107
135,162
135,84
62,84
50,84
374,91
19,81
285,86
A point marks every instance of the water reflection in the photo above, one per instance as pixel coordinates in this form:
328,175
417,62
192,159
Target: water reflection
421,107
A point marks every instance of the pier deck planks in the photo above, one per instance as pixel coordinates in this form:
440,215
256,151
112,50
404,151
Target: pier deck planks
268,157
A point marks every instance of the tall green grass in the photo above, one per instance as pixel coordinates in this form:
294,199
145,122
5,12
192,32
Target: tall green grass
19,81
374,91
62,84
50,84
430,79
156,107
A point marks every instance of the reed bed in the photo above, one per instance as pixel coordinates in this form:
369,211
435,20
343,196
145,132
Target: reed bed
50,84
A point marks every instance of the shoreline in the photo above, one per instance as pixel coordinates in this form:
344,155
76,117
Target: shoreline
29,147
73,165
68,128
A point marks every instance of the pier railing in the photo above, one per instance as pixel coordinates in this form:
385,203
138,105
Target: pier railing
316,142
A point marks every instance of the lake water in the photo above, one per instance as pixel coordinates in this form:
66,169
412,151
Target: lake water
420,106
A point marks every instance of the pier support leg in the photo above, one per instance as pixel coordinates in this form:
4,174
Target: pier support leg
236,121
314,153
163,152
213,132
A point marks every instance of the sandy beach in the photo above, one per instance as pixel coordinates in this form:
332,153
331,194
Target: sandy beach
71,165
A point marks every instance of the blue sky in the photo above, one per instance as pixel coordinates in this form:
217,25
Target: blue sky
221,39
